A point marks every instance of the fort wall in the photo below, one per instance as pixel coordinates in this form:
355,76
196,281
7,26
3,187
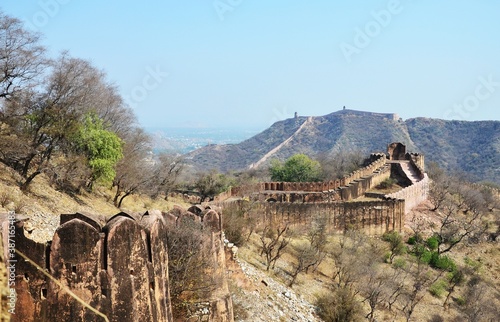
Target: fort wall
372,217
118,266
413,195
300,202
350,186
418,163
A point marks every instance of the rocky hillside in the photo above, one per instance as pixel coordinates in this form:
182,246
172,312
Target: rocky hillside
471,147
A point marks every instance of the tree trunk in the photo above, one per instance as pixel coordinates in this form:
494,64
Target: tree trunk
26,183
117,195
121,199
26,167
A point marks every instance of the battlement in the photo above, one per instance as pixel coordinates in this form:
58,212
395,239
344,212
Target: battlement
118,265
377,161
298,201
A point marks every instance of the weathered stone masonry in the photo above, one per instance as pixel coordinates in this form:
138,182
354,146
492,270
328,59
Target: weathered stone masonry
296,202
372,217
118,266
345,189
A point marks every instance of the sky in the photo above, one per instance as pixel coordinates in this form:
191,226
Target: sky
247,64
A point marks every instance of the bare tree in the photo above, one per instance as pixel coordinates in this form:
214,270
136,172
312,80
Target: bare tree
273,243
439,191
414,294
340,164
318,238
478,305
395,285
240,221
140,171
45,122
348,258
455,225
307,257
22,58
69,173
135,170
167,170
111,109
339,305
37,132
373,287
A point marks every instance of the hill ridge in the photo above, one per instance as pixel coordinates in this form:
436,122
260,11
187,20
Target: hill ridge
472,148
282,144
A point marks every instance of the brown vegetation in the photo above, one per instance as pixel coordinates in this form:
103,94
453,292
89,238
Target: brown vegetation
397,278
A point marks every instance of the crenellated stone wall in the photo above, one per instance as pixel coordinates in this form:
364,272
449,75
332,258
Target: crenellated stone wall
414,194
299,202
348,188
119,266
417,160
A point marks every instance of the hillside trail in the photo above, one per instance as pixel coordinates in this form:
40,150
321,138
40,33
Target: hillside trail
282,144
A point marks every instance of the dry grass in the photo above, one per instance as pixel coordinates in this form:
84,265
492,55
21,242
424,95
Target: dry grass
309,286
41,197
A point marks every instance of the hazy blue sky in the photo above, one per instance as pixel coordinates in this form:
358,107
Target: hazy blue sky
249,63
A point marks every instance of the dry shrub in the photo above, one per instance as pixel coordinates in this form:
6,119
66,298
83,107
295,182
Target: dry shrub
6,197
339,305
19,205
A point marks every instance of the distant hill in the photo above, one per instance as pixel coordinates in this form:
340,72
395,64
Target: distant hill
471,147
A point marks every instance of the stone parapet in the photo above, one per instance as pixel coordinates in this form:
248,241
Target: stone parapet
413,195
377,161
119,266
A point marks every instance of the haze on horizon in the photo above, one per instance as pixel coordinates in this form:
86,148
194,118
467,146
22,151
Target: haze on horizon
247,64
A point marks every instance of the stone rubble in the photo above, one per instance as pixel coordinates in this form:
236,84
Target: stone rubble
280,304
40,227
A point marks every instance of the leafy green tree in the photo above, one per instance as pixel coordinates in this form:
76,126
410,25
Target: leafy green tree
103,149
396,243
297,168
